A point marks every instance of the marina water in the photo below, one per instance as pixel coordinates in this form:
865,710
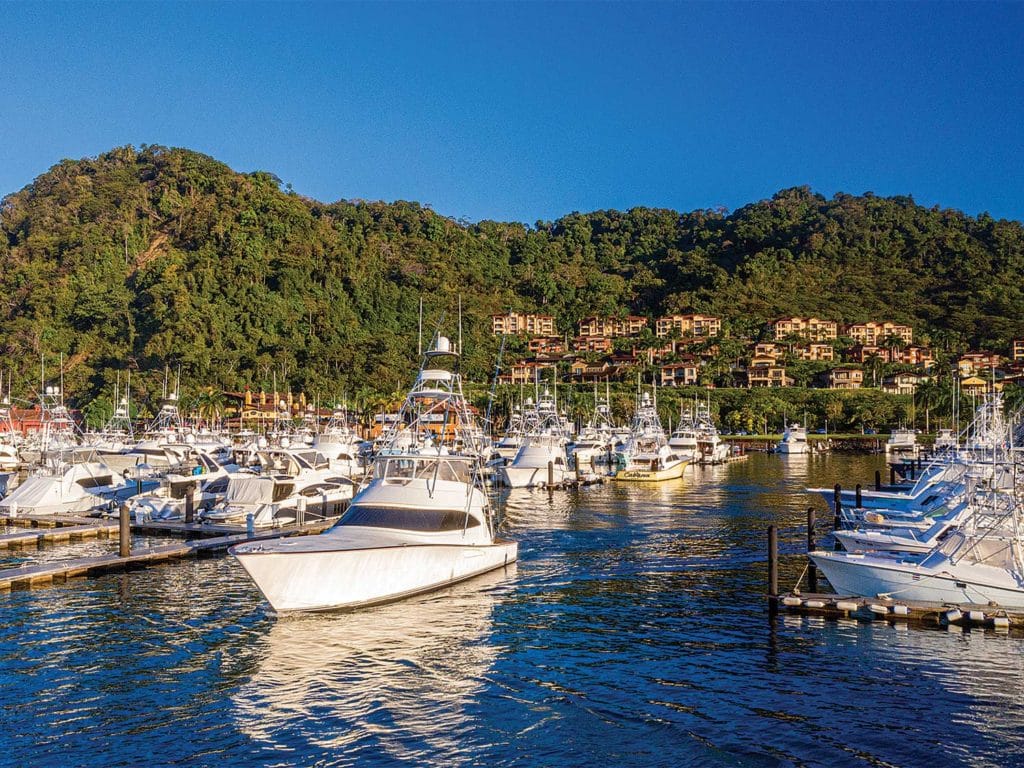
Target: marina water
633,631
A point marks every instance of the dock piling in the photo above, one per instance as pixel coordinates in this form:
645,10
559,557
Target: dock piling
190,506
858,497
878,479
551,474
892,475
812,569
773,570
125,531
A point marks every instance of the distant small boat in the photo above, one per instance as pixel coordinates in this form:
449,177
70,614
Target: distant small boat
794,441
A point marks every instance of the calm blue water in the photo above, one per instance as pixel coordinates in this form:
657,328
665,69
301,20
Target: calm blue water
633,631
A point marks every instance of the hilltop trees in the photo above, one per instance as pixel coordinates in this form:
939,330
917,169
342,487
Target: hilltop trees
142,257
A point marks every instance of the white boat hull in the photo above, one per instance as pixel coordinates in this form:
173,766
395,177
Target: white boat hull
530,477
315,580
872,577
793,449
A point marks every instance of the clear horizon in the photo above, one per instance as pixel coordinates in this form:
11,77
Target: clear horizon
528,111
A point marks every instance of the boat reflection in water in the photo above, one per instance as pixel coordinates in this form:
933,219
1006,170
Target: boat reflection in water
391,682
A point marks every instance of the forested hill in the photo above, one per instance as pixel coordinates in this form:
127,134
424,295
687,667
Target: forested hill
149,256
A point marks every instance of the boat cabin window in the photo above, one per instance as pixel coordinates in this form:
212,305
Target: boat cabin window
401,470
405,519
319,488
282,491
220,485
96,482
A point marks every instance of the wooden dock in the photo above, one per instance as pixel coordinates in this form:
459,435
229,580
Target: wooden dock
66,532
866,609
36,574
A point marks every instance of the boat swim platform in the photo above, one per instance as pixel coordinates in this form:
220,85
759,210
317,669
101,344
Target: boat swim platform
890,610
38,574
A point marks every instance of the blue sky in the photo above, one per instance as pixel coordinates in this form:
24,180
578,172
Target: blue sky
528,111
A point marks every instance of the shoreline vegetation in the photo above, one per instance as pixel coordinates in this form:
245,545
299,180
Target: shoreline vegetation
146,258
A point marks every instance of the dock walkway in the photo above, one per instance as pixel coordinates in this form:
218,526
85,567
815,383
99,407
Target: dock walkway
31,575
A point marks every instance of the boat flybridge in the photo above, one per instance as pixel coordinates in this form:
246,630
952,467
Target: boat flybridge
542,458
339,443
684,439
420,521
647,456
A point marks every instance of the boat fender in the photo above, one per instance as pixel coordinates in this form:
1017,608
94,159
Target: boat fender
815,603
952,616
1000,622
846,605
977,617
881,610
791,601
901,610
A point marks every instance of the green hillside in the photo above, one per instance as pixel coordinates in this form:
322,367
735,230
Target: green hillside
145,257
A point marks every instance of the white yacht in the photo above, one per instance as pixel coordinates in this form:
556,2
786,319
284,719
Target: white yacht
340,444
647,456
979,562
794,441
422,521
945,440
289,485
710,444
70,487
902,443
595,443
542,458
684,439
207,484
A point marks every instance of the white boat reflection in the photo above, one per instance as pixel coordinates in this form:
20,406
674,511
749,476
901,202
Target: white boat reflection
331,680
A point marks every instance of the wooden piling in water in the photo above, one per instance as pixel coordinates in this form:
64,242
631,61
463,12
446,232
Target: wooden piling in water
812,569
551,474
858,497
125,531
190,504
878,479
773,570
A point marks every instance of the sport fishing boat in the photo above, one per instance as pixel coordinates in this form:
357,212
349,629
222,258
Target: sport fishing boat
290,484
542,459
684,438
794,441
69,486
422,520
980,562
711,448
339,443
647,456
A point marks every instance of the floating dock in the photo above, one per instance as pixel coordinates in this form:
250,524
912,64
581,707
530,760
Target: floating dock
211,539
867,609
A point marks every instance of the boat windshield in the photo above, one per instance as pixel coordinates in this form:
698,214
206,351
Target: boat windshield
408,519
403,469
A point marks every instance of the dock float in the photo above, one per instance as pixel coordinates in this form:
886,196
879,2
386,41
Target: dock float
66,532
873,609
36,574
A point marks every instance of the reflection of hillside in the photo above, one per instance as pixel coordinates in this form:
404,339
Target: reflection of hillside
374,681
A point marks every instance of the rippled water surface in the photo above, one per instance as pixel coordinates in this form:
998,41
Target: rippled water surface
633,631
